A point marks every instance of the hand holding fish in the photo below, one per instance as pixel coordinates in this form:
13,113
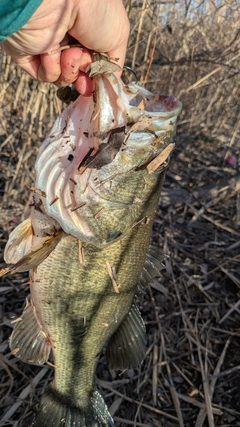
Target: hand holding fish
99,26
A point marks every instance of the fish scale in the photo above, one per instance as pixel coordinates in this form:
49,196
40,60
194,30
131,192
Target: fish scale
82,294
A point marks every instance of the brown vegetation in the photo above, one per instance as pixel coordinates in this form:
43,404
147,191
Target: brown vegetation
191,373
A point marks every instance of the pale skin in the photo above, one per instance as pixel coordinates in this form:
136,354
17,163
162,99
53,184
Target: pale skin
99,25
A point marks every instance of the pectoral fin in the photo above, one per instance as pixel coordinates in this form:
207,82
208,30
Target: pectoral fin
28,340
126,349
37,255
19,242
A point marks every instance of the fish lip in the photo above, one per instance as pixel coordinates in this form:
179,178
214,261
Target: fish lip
171,107
173,110
164,106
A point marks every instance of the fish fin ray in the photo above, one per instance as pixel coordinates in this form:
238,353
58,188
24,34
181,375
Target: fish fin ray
152,267
19,242
127,347
28,340
56,411
36,256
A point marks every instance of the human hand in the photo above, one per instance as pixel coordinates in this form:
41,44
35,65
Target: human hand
98,25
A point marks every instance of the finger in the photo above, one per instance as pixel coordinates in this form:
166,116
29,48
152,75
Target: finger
30,64
50,67
74,62
43,67
118,56
111,21
70,64
84,84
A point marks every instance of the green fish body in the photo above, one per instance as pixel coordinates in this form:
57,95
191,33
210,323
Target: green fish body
99,178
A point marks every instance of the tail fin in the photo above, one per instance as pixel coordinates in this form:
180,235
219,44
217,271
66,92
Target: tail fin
56,411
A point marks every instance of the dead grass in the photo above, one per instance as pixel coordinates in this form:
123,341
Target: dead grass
191,49
191,372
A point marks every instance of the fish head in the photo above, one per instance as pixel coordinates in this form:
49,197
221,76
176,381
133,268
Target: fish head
94,168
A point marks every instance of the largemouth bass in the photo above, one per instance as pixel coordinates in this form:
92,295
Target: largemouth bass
98,180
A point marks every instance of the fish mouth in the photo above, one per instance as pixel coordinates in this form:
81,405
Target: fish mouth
154,104
94,145
163,104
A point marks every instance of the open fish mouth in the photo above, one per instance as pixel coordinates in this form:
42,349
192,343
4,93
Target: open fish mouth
92,146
